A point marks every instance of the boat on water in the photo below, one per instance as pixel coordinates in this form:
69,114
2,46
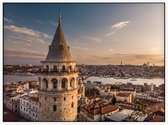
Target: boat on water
29,74
133,79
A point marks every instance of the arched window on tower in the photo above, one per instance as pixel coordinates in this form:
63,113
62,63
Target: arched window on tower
70,67
64,83
72,82
45,84
47,68
55,68
54,83
63,68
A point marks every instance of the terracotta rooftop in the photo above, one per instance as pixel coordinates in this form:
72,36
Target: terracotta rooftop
99,107
108,108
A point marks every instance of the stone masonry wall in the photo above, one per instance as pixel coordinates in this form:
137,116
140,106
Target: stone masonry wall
63,102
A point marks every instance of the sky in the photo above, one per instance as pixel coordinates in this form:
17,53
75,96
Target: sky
96,33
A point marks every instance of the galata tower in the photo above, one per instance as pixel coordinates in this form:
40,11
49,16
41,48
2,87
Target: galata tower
58,82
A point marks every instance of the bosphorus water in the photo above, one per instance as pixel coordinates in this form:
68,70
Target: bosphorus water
140,81
16,78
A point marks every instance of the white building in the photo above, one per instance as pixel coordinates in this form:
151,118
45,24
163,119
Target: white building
125,97
151,98
12,102
29,107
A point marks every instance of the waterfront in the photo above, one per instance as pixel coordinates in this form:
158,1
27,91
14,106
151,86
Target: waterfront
16,78
140,81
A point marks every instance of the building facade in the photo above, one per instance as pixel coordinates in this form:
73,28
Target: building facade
58,82
29,108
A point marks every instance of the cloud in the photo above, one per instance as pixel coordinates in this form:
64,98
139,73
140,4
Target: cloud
116,58
26,36
79,48
120,24
8,20
26,31
24,53
94,39
111,33
52,23
38,21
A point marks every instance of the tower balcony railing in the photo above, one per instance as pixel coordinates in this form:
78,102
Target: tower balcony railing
46,71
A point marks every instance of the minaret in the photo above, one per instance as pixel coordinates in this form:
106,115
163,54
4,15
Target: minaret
58,82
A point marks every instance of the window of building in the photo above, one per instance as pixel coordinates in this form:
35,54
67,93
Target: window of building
45,98
45,83
70,67
63,68
72,97
72,105
54,108
64,82
64,98
55,68
54,82
72,83
47,68
54,98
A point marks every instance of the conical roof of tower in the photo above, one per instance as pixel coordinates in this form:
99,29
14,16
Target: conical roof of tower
59,50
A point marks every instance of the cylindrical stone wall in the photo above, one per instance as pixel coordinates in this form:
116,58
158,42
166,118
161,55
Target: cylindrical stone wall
63,101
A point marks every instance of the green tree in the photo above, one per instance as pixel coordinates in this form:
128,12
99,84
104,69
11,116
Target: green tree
142,106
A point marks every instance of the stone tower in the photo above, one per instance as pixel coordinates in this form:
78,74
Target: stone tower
58,82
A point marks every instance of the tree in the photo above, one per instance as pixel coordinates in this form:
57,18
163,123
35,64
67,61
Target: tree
142,106
113,101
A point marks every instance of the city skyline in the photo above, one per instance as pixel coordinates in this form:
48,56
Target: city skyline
96,33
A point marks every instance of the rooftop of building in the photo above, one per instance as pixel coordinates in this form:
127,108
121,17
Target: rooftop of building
123,94
98,107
